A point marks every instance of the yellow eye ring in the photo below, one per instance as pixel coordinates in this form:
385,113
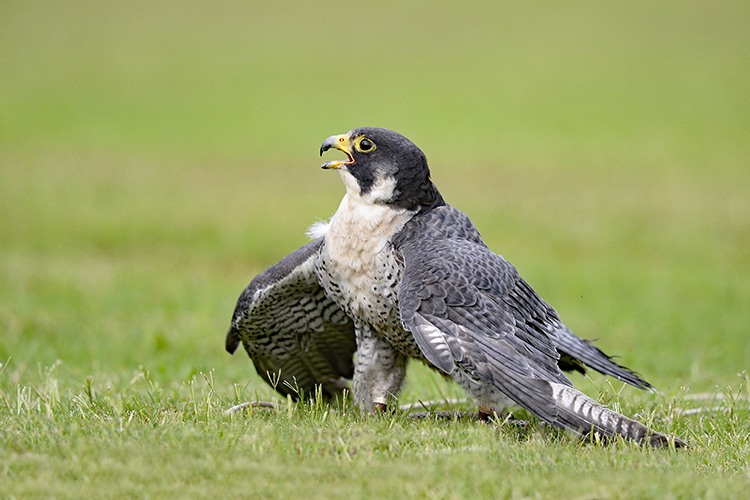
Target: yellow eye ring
365,145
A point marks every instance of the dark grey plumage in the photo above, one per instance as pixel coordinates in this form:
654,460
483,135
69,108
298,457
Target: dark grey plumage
297,338
409,277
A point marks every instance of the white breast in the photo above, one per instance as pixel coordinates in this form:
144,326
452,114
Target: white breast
356,262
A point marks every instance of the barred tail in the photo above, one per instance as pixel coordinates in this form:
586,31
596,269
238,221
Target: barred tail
581,414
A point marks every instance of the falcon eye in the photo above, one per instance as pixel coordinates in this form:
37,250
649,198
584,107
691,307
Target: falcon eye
365,145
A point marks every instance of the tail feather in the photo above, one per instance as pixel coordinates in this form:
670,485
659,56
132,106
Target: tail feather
579,413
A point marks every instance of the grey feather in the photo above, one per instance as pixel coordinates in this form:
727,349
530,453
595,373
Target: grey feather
470,311
294,334
461,281
448,224
583,415
583,351
464,292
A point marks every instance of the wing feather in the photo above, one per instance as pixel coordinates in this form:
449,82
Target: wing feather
296,336
469,310
579,351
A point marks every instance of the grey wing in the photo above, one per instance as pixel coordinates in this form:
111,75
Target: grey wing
579,354
468,310
296,336
575,353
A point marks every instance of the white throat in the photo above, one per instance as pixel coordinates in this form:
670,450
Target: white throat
357,236
361,226
363,217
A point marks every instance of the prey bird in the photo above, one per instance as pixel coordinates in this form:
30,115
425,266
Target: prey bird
398,274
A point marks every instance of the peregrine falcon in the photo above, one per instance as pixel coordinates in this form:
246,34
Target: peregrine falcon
398,274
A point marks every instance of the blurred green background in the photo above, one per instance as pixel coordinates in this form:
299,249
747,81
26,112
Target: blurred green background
155,156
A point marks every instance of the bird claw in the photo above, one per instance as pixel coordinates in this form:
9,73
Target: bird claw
379,408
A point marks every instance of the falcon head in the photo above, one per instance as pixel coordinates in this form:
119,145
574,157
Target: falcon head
382,166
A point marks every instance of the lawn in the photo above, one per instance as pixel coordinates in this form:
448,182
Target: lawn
154,157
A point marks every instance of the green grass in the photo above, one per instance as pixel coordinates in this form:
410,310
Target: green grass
135,438
155,157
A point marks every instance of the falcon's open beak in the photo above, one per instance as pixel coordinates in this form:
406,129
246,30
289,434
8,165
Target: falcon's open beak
342,143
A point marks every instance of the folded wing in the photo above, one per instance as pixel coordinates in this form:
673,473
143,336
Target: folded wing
469,310
461,303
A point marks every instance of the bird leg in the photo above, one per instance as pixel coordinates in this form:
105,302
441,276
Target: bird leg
379,371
